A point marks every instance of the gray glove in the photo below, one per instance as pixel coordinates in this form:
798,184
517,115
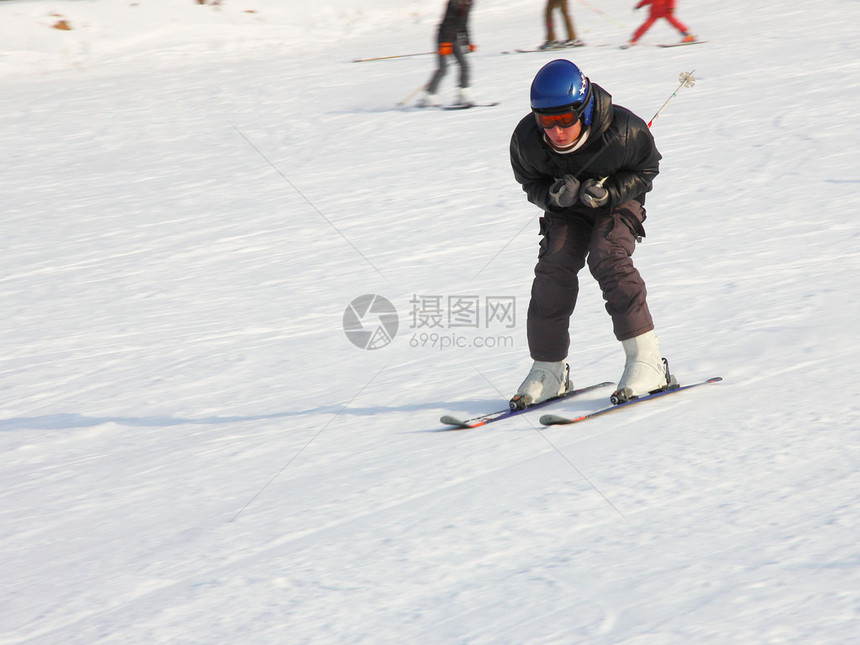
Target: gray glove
563,191
593,194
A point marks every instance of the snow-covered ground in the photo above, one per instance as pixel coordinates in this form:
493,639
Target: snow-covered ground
193,451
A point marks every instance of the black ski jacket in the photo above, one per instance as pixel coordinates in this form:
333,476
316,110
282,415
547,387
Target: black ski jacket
454,27
619,146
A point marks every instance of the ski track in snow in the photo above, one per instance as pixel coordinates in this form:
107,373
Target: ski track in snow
194,452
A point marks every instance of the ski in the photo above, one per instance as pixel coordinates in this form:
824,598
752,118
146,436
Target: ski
555,420
547,49
417,108
682,43
469,105
484,419
367,60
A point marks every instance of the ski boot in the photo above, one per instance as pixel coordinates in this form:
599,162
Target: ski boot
544,381
427,100
464,98
645,372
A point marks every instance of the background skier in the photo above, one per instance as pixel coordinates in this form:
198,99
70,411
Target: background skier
452,40
661,9
551,42
588,164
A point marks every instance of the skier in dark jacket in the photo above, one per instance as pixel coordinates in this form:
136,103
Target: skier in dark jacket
587,163
452,39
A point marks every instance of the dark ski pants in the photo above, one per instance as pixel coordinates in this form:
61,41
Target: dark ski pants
607,243
457,52
561,5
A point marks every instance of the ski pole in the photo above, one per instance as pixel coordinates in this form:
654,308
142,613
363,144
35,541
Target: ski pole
411,94
601,13
365,60
687,80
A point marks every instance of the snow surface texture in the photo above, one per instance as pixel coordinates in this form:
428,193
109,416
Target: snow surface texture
193,451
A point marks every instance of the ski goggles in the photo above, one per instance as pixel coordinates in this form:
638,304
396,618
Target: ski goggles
563,120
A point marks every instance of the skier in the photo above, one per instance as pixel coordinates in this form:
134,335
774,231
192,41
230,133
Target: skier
551,42
661,9
452,39
587,163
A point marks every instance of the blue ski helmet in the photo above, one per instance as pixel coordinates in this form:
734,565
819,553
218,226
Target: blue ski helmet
561,86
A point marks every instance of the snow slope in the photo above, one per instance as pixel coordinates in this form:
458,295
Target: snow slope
193,451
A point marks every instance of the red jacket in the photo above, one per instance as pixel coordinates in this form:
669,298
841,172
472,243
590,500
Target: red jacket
658,7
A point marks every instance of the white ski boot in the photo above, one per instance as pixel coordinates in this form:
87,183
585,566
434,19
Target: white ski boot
645,371
427,100
464,98
544,381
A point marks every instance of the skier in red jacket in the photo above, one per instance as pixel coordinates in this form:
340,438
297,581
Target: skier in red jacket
661,9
